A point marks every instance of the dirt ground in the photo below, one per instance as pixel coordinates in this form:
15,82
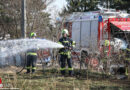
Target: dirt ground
51,79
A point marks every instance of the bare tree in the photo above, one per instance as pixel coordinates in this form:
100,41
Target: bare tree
10,18
37,19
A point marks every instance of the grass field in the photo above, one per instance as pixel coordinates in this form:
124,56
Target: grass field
52,80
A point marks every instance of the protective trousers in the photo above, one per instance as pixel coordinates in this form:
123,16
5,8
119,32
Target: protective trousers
63,59
126,66
31,63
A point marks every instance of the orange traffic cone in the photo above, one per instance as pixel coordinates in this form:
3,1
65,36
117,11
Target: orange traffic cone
1,85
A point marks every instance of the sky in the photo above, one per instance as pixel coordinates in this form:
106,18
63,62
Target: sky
55,8
59,4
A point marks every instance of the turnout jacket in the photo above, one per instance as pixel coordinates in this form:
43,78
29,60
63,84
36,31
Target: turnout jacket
67,43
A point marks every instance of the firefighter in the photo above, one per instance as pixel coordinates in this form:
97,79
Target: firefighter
107,43
65,53
104,56
31,57
127,59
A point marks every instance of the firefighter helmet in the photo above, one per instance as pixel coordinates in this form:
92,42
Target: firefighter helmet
65,31
33,34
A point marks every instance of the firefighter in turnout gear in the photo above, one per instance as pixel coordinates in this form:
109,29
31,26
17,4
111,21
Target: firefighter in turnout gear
127,59
65,53
31,57
104,56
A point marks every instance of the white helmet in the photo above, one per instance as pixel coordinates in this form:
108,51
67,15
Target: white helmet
65,31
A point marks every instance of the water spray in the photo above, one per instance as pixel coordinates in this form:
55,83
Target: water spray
13,47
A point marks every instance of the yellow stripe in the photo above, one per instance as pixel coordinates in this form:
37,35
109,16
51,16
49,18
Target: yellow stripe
62,69
28,67
128,49
73,43
59,43
70,69
126,72
31,53
61,53
65,53
33,67
66,41
127,59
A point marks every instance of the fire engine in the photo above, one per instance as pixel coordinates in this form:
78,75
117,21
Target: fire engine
90,32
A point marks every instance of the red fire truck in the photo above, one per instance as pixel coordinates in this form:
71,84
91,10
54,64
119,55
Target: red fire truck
90,34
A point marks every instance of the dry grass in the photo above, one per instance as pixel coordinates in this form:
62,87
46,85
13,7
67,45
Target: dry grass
51,80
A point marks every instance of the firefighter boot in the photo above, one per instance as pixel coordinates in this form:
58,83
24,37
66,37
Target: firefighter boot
28,71
33,70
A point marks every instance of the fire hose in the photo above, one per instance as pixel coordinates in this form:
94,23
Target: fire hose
25,60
